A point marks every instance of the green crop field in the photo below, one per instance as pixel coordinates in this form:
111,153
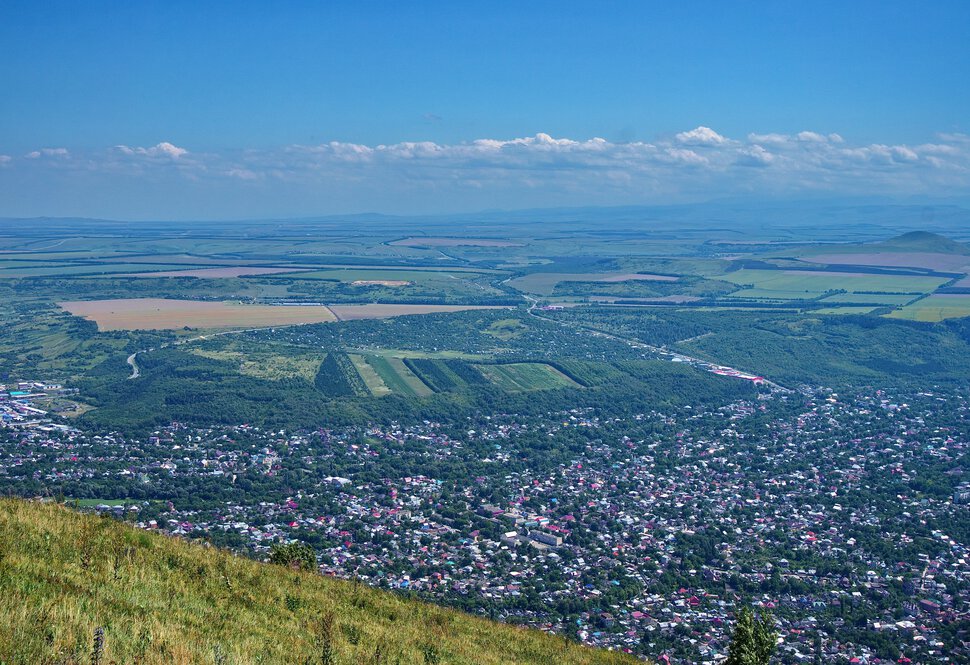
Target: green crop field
795,285
807,282
527,376
375,384
86,269
888,299
935,308
771,294
397,377
588,373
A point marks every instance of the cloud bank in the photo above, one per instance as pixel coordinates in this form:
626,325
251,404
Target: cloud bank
541,170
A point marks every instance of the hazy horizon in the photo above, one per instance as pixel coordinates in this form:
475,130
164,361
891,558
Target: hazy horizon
173,111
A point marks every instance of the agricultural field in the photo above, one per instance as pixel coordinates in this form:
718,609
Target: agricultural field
805,284
438,286
934,308
453,242
926,260
375,384
414,376
40,338
218,273
886,299
588,373
526,376
397,377
78,269
350,276
382,311
164,314
850,309
544,283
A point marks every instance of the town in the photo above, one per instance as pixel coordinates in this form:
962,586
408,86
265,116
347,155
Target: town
640,533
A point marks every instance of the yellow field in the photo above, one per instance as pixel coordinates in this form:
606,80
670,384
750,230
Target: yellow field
379,311
164,314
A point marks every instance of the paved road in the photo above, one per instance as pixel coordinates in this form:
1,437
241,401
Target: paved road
135,372
637,344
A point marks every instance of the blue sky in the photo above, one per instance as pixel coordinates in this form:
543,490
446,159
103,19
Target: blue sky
251,99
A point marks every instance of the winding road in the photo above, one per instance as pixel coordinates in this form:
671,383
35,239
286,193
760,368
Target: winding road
135,372
133,358
700,363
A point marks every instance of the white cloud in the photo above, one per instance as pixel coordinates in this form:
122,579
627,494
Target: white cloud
691,165
903,154
242,174
685,156
811,137
5,159
48,152
163,149
769,139
701,136
755,156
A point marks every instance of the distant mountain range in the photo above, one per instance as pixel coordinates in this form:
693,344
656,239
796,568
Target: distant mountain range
820,220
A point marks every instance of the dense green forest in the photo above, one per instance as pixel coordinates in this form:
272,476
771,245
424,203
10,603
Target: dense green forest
797,348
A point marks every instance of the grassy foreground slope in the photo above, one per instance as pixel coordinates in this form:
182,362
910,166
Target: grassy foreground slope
64,575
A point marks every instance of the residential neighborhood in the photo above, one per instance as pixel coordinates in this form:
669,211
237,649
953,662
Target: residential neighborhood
643,533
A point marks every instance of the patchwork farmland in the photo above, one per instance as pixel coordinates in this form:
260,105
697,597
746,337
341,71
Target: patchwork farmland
397,377
527,376
807,284
934,308
218,273
421,377
172,314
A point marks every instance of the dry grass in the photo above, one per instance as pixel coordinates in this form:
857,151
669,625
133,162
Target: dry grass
160,600
165,314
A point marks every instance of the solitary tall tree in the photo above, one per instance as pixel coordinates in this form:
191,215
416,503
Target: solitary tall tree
753,641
